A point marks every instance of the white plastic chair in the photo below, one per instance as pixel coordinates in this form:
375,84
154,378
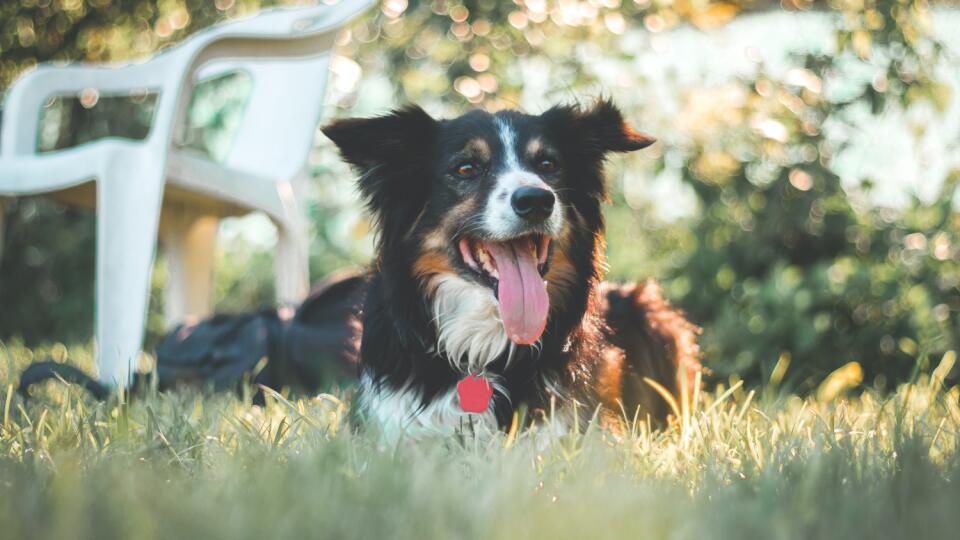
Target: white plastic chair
144,187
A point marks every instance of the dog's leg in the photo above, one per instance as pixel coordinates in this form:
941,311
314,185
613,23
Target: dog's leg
658,343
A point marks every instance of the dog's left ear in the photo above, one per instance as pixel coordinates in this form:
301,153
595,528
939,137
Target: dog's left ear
597,130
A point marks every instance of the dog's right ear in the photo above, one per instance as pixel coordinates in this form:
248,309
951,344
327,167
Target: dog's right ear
390,152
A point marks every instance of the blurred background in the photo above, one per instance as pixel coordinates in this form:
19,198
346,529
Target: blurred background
800,205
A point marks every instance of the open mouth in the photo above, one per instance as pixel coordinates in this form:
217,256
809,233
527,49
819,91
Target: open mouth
514,270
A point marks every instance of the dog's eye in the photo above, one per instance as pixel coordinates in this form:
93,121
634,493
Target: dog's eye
467,169
547,165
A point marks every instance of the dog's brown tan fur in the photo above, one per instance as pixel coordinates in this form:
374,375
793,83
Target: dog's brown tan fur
657,342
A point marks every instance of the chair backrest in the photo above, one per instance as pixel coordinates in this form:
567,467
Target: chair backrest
282,112
280,115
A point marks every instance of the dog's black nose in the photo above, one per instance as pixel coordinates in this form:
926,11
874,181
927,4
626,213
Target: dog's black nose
533,203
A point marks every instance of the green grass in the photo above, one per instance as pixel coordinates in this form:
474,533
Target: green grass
182,465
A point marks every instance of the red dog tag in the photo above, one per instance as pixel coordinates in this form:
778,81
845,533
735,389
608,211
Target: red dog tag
475,393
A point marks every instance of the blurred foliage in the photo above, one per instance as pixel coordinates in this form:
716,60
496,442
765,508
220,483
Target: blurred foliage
38,296
788,266
791,274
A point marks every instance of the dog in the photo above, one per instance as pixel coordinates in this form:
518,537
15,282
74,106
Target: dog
486,295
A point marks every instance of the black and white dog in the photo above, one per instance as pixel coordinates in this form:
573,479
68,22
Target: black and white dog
486,291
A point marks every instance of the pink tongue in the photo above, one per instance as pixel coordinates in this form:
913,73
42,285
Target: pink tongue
522,293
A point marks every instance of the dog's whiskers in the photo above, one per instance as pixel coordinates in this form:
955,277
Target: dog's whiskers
471,225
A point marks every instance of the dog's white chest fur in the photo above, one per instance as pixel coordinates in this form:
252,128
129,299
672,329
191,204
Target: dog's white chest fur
470,334
470,331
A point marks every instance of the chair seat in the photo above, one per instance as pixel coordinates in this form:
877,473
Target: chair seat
195,180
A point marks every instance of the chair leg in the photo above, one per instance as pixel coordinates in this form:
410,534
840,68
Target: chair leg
128,210
292,265
188,243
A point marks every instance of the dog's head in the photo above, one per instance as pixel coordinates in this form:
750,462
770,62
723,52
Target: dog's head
508,202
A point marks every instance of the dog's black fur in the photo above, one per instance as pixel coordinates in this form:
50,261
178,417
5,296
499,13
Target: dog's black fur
600,340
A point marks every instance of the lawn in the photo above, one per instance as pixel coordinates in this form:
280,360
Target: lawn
744,464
